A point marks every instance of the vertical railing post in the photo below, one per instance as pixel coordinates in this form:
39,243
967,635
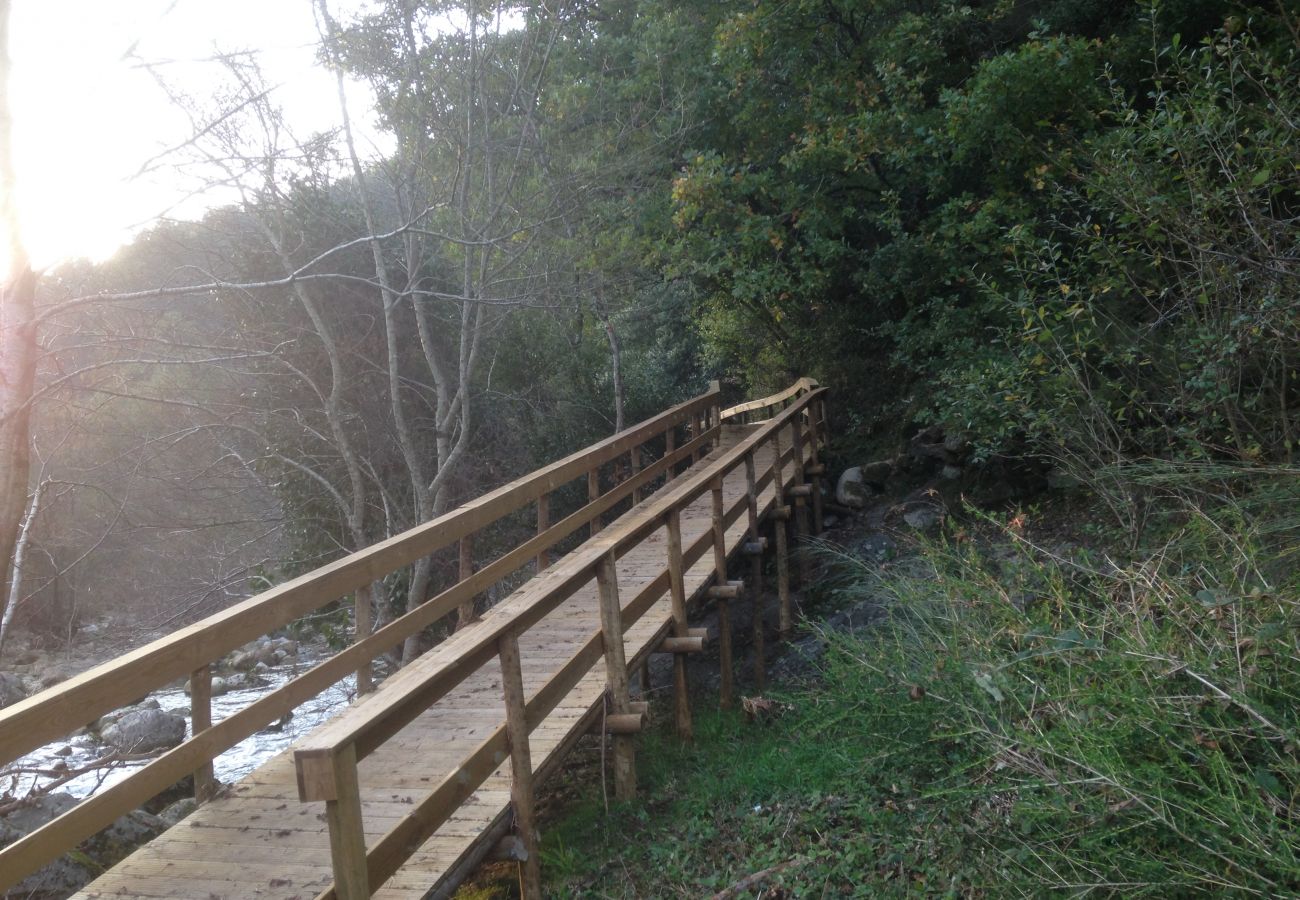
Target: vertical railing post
754,548
362,603
205,782
780,529
697,429
800,503
634,462
611,627
670,447
347,832
814,434
543,523
593,494
521,764
465,614
677,589
726,676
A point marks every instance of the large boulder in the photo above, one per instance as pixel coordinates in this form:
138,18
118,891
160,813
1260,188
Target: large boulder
12,689
144,730
72,871
850,490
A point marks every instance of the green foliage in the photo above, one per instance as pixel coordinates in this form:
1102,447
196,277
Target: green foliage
1021,723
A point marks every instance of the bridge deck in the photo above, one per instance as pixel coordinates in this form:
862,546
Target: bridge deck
258,840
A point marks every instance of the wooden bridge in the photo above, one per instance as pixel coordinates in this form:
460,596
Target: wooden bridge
406,790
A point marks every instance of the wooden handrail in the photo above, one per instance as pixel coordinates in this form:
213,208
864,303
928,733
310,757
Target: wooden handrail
802,386
57,711
342,742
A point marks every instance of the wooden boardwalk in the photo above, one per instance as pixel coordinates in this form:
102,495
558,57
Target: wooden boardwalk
258,839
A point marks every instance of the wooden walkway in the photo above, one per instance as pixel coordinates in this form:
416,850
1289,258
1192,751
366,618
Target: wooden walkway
266,836
258,840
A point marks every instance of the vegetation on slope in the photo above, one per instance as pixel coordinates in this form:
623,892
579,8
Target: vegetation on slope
1025,720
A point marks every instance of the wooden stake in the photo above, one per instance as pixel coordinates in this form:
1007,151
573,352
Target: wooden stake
780,530
816,468
670,444
543,523
521,764
725,686
677,586
347,834
611,626
361,626
466,611
205,782
800,503
593,494
635,463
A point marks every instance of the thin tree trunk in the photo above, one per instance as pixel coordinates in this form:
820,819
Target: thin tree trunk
17,333
16,572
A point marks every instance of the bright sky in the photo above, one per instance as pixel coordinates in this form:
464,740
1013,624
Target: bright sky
88,115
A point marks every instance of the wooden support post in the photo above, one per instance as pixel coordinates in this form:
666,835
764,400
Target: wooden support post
466,568
361,626
697,429
800,503
593,494
677,587
611,626
725,685
635,463
755,547
645,677
521,764
543,523
670,446
205,782
347,834
780,528
815,469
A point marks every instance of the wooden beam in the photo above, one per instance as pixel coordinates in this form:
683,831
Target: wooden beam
521,764
465,612
593,494
543,525
611,628
347,832
677,587
205,782
726,687
781,533
680,645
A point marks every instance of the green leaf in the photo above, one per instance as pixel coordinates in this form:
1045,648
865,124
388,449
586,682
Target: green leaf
1261,176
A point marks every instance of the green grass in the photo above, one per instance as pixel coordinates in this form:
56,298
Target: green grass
1022,723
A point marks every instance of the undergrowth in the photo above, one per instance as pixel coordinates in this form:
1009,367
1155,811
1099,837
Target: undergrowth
1025,721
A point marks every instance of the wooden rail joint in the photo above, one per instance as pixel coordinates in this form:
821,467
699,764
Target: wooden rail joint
755,548
317,770
681,645
731,590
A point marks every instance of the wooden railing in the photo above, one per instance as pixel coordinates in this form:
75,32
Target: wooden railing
327,760
684,432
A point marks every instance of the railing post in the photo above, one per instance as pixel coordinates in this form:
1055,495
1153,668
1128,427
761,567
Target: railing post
466,568
780,529
677,587
347,833
670,447
815,467
593,494
611,626
521,764
754,548
725,683
634,462
205,781
800,503
543,523
362,602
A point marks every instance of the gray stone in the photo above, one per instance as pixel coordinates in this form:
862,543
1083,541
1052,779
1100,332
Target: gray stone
878,472
850,490
177,811
875,549
950,472
923,516
144,730
11,689
117,715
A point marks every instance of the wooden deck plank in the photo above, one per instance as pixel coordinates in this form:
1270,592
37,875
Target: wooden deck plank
258,840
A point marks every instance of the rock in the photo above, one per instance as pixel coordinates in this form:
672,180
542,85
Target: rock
143,730
74,870
956,444
117,715
63,751
850,490
923,516
178,810
878,473
875,549
950,472
242,681
11,689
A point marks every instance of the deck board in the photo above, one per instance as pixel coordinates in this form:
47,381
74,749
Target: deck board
258,840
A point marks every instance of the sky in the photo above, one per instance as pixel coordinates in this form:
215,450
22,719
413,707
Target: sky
88,112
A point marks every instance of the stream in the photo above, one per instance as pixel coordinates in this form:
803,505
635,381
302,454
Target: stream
230,766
